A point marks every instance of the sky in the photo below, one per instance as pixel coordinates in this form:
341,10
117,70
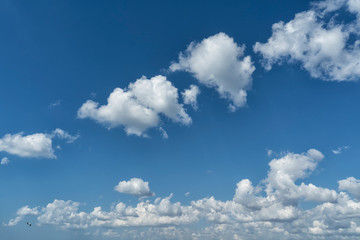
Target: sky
179,120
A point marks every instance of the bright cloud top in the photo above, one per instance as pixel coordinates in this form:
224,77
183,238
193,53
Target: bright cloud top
217,62
138,108
269,210
135,186
352,185
38,145
323,45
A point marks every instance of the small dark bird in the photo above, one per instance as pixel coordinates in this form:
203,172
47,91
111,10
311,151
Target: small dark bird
28,224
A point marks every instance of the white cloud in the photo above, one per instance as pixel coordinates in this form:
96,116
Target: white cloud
138,108
328,5
35,145
352,185
38,145
270,210
4,161
190,96
354,6
339,150
63,214
59,133
21,213
135,186
217,62
323,47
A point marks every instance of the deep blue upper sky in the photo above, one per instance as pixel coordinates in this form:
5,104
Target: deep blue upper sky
67,52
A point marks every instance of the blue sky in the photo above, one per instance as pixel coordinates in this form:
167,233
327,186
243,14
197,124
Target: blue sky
164,120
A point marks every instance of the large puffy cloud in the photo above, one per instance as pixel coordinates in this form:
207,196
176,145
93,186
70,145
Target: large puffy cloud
138,108
37,145
325,48
218,62
135,186
270,210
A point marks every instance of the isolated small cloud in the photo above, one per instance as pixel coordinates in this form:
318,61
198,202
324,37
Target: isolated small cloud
135,186
164,133
138,107
218,62
269,152
38,145
57,103
4,161
339,150
190,96
59,133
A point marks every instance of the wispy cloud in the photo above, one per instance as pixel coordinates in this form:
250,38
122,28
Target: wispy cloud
57,103
339,150
4,161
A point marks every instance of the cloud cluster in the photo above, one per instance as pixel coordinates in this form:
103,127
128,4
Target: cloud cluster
218,62
139,107
38,145
272,209
135,186
324,46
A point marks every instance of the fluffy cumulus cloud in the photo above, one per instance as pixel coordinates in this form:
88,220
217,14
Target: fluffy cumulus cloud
190,96
138,107
270,210
38,145
219,62
352,185
326,46
135,186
